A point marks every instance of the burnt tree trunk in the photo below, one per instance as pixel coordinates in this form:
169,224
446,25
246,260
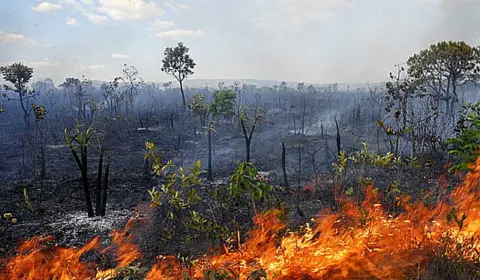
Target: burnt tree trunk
98,188
247,150
183,95
82,165
179,141
146,167
210,171
86,188
171,121
248,139
25,111
284,165
104,190
339,143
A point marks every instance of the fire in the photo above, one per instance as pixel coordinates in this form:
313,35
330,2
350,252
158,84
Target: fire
357,242
126,251
37,260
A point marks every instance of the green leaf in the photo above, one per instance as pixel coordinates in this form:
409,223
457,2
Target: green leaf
349,191
197,165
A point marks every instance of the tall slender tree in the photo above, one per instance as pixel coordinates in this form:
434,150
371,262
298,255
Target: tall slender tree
249,118
133,83
19,75
178,63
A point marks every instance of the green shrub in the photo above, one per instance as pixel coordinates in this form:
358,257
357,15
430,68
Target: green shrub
466,143
177,197
247,181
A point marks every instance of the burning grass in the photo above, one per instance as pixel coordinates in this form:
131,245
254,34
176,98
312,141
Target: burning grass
357,242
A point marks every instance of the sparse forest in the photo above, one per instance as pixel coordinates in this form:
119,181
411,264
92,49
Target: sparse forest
125,179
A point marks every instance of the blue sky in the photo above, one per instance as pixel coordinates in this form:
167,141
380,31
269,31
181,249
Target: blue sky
314,41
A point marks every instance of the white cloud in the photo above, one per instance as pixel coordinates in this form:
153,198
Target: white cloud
88,12
95,67
309,5
124,10
183,6
96,18
162,24
14,39
41,64
46,7
89,69
71,2
100,11
175,7
171,7
120,56
71,21
76,4
178,33
44,64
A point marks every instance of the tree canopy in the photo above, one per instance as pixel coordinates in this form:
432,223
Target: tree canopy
17,74
223,103
439,70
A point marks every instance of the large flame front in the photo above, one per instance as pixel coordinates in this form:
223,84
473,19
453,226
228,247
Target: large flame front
357,242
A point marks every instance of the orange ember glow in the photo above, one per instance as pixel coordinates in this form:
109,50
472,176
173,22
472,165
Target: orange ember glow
357,242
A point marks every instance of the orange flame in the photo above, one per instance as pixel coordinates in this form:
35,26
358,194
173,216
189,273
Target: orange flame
126,251
36,260
357,242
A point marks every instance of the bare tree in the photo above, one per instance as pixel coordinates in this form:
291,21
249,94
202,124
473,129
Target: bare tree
249,119
77,89
111,95
133,82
